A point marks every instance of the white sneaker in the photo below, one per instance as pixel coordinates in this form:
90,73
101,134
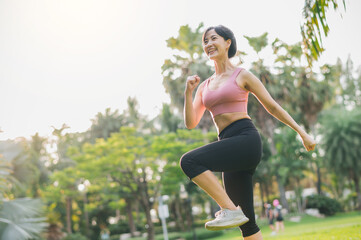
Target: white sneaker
226,218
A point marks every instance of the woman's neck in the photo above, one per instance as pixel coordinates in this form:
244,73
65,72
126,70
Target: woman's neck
223,66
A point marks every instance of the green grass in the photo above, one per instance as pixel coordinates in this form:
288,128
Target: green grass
345,226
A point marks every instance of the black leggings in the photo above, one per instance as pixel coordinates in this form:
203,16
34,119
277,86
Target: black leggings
236,154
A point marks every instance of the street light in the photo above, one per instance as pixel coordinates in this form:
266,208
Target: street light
184,195
163,214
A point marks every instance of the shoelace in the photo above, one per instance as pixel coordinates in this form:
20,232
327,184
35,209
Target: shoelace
220,213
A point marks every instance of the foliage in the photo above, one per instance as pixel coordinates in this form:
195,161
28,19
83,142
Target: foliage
258,43
75,236
105,123
188,60
350,85
342,140
19,219
5,176
324,204
315,26
203,234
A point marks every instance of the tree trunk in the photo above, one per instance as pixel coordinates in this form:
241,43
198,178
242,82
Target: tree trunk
86,216
131,223
318,168
261,193
319,191
178,214
68,214
356,179
150,230
281,188
298,191
267,192
144,199
188,214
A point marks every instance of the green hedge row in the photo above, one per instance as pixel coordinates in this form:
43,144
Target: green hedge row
201,234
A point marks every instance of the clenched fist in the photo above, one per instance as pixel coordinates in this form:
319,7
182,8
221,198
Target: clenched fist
308,142
192,82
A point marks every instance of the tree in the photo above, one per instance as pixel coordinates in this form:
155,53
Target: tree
342,144
20,218
64,178
103,125
315,26
170,147
311,93
281,90
291,162
190,60
124,160
350,85
170,122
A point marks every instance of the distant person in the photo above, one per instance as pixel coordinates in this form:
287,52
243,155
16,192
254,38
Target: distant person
270,217
105,234
238,151
278,216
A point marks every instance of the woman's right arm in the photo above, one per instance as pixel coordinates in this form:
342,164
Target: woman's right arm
193,110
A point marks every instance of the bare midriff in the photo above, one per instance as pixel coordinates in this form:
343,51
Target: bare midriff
223,120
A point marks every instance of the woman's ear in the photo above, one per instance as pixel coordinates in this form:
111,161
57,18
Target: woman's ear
229,42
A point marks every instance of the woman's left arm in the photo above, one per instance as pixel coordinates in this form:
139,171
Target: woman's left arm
254,85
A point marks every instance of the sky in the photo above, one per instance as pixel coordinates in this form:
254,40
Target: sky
65,61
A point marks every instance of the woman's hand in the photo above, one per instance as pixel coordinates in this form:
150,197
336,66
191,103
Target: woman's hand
192,83
308,142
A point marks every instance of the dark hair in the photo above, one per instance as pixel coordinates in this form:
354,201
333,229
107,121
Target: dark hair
226,33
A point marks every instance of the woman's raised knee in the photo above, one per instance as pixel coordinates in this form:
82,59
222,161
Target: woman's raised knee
186,163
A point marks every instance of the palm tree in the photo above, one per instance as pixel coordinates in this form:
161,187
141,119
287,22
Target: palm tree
19,218
105,123
342,144
315,26
191,61
281,91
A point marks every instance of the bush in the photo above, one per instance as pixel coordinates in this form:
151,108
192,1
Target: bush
325,205
203,234
171,236
75,236
122,227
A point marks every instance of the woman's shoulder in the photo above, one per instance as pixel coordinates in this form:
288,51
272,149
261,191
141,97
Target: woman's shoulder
202,84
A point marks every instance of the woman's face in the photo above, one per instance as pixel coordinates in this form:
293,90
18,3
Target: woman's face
215,46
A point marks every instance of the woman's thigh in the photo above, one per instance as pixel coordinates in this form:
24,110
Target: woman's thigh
242,152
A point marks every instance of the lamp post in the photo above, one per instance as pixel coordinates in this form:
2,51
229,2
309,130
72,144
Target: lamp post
82,187
163,214
187,199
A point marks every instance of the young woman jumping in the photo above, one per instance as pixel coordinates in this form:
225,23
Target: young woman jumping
239,149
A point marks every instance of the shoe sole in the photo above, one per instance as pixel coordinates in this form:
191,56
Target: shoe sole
217,228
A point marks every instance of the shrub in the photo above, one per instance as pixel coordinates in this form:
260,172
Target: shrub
75,236
203,234
324,204
171,236
115,237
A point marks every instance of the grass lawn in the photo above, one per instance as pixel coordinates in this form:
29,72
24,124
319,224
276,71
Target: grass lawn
344,226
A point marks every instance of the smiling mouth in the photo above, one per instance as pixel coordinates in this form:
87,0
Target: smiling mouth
211,51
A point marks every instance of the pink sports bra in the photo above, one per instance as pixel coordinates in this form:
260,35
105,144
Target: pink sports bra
227,98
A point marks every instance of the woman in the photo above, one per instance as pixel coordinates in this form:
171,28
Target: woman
238,151
278,216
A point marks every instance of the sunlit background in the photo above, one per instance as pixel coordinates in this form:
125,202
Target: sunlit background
65,61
